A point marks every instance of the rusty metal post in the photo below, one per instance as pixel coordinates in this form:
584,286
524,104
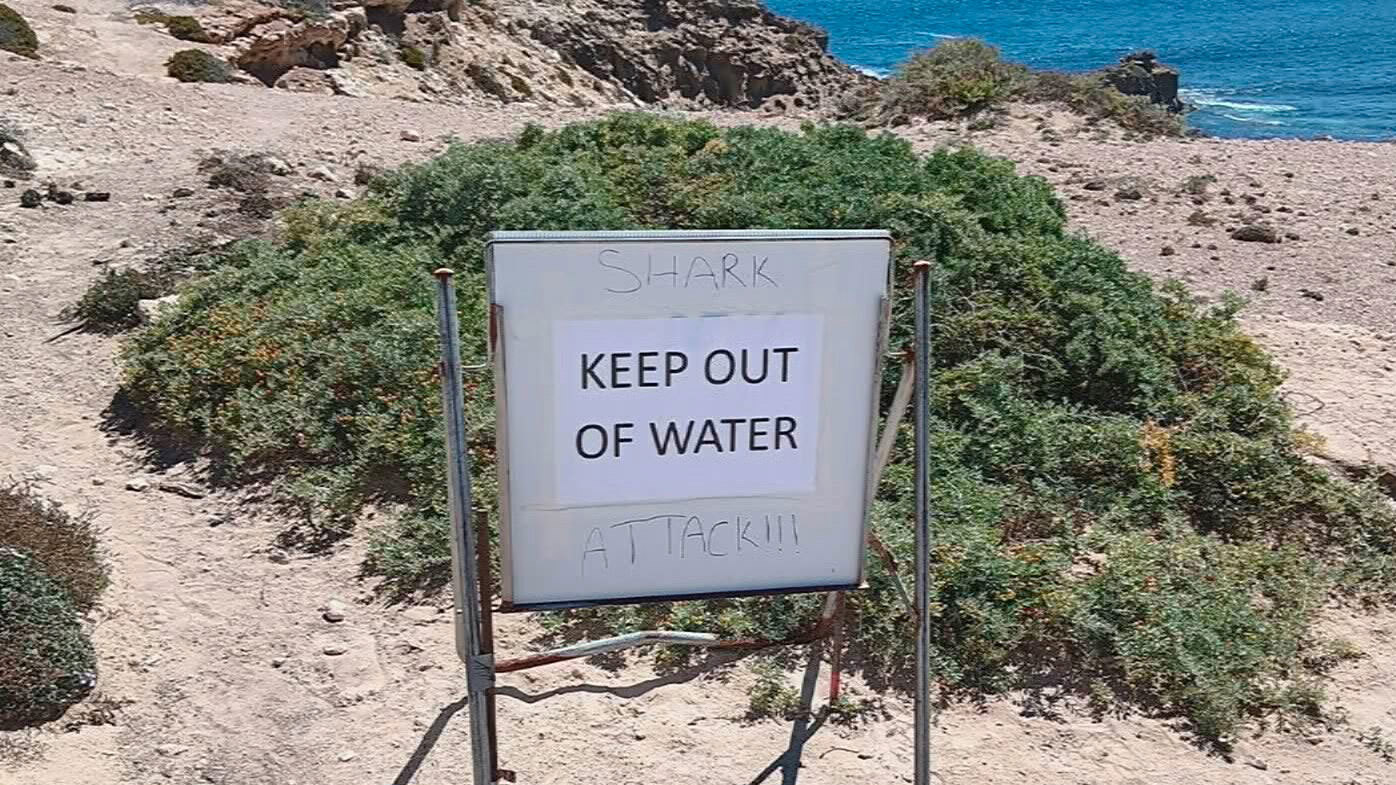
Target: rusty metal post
479,665
486,572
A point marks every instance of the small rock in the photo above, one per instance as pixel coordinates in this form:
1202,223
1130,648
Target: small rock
346,756
170,750
1354,231
409,135
1292,236
182,193
335,611
43,473
1256,233
150,310
1312,295
1130,193
1260,284
277,662
138,485
187,490
1167,250
277,166
61,197
335,649
65,9
322,173
278,557
1094,185
30,198
422,614
97,196
98,481
344,193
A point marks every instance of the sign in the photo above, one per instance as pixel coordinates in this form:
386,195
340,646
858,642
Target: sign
684,414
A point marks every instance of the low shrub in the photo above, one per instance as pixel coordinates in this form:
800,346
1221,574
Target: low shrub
196,65
16,35
965,76
957,77
46,661
187,28
65,545
112,303
1123,505
413,57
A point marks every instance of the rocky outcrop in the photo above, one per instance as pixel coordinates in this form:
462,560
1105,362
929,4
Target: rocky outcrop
680,53
710,52
1140,73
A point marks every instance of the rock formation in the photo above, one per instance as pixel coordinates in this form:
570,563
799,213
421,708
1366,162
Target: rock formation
1140,73
681,53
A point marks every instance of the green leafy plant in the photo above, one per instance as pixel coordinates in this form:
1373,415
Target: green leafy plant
187,28
196,65
772,697
46,661
16,35
1124,507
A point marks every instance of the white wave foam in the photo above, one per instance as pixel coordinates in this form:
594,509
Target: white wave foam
878,73
1240,106
1257,120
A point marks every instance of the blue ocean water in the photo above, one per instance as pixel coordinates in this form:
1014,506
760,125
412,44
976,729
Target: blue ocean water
1260,68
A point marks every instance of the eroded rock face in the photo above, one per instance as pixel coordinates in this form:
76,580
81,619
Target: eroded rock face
1141,73
710,52
681,53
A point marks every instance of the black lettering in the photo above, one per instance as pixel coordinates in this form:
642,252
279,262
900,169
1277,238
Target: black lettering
731,366
758,271
621,438
671,438
731,269
756,432
712,538
647,368
581,449
673,271
709,274
732,423
600,539
617,358
785,353
744,528
708,436
785,428
630,526
746,366
589,371
795,529
601,259
697,526
675,363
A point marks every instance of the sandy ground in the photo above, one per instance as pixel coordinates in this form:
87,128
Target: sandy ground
211,641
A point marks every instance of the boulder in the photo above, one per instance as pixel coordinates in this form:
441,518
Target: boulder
1140,73
1256,233
306,80
150,310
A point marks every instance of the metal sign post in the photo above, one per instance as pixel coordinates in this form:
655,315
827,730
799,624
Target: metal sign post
923,524
469,644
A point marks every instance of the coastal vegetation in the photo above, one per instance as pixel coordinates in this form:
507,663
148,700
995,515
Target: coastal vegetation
16,35
51,572
1125,511
196,65
966,77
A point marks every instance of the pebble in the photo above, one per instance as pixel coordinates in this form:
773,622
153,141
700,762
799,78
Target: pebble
187,490
182,193
335,649
409,135
346,756
138,485
335,611
344,193
322,173
98,481
43,473
170,750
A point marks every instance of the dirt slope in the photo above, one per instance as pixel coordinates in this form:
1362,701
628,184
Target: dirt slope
212,636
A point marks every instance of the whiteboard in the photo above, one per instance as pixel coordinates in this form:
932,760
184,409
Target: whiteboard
684,414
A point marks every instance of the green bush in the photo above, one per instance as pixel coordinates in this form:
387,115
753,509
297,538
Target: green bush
196,65
187,28
413,57
1123,505
965,76
16,35
65,545
46,662
956,77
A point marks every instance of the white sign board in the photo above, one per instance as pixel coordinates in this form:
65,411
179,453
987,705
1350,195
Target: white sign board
684,414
